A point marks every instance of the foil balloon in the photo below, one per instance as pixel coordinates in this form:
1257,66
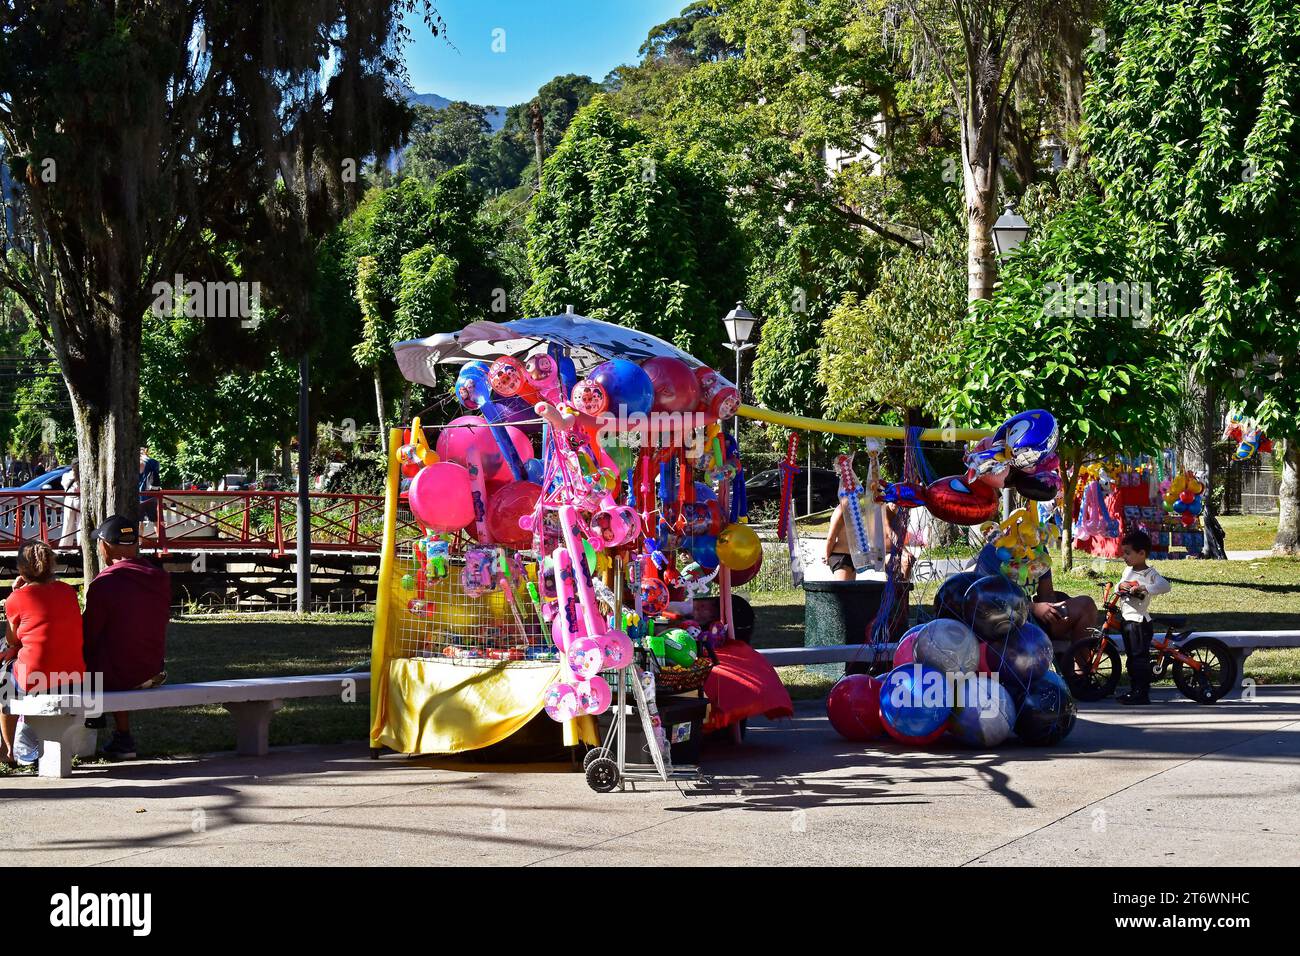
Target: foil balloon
995,607
1048,712
1028,437
949,646
957,502
914,704
950,599
984,715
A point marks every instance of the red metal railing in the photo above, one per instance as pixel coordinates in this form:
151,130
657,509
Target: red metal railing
259,521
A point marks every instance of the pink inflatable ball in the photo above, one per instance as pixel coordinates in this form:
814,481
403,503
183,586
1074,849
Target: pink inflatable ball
508,503
676,389
561,702
617,650
471,431
441,497
853,707
589,397
718,397
594,696
585,656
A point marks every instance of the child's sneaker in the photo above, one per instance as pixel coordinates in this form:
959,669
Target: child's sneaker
121,747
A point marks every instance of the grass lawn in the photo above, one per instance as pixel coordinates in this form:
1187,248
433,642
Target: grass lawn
1248,532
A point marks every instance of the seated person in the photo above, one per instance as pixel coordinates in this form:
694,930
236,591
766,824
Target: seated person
1064,618
42,637
128,605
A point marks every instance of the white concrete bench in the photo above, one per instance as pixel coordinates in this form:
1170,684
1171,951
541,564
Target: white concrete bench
58,718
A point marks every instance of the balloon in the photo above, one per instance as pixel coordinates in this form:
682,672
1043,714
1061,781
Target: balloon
1028,437
617,650
704,549
704,493
1048,712
995,607
955,501
585,656
738,546
905,652
627,387
589,397
1023,657
676,388
745,575
506,505
1038,486
914,704
441,497
594,696
472,431
561,702
853,707
984,716
950,599
654,596
949,646
718,397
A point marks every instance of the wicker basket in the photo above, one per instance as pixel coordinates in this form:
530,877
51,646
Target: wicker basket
678,680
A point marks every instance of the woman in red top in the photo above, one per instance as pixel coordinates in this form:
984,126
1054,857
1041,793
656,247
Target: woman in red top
43,633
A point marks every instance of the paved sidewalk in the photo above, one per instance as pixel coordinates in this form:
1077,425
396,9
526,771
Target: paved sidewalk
1173,783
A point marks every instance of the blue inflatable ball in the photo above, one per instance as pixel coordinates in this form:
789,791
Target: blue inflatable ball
1048,712
984,715
950,599
995,607
628,386
914,702
1023,657
949,646
704,549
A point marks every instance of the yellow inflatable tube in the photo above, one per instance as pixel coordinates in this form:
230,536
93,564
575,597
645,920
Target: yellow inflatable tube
860,429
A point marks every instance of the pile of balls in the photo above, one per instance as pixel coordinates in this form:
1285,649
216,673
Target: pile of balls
980,670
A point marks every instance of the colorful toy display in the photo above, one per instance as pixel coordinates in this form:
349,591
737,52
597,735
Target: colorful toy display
1250,438
1019,453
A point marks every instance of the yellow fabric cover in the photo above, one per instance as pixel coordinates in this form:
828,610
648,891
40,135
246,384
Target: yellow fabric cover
437,707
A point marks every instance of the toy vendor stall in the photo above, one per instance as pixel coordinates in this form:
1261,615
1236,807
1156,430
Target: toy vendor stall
1150,494
571,539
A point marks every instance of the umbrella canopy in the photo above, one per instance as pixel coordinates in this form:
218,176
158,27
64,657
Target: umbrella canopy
589,341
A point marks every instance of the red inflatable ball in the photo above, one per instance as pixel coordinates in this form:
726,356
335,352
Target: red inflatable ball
506,505
853,707
748,574
905,653
957,502
675,385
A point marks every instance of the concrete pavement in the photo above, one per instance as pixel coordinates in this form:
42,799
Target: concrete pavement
1174,783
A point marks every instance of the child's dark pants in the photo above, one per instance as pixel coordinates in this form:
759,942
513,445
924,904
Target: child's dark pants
1137,646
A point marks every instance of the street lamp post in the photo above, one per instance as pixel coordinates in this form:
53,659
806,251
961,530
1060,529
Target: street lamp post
739,323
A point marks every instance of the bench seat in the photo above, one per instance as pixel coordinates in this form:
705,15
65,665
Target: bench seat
58,718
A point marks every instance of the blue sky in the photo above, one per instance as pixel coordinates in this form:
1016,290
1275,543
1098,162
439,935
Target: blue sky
542,38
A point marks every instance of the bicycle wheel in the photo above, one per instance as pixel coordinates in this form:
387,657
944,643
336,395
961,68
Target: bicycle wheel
1216,676
1090,675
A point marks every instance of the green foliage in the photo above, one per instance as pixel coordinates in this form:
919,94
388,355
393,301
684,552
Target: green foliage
202,421
1053,338
426,302
457,135
624,229
893,349
1192,123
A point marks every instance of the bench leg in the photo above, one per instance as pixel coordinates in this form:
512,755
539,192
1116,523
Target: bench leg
60,737
253,725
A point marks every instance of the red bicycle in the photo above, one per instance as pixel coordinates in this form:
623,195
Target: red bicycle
1203,668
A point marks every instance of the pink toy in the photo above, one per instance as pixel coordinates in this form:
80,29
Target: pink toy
441,497
586,657
718,397
589,397
594,696
561,702
472,432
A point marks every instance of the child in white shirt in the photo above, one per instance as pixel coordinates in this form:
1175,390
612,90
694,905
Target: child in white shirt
1137,587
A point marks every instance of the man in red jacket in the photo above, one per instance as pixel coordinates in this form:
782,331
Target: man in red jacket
124,625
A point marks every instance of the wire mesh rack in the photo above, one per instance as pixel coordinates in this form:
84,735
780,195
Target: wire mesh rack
437,618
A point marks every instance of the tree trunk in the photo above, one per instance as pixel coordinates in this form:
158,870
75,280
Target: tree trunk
379,406
105,395
1069,479
538,124
1288,500
981,188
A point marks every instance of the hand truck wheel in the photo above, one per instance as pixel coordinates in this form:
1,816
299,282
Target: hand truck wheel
595,753
602,775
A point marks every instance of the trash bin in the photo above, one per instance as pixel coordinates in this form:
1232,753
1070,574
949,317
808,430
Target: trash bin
838,612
